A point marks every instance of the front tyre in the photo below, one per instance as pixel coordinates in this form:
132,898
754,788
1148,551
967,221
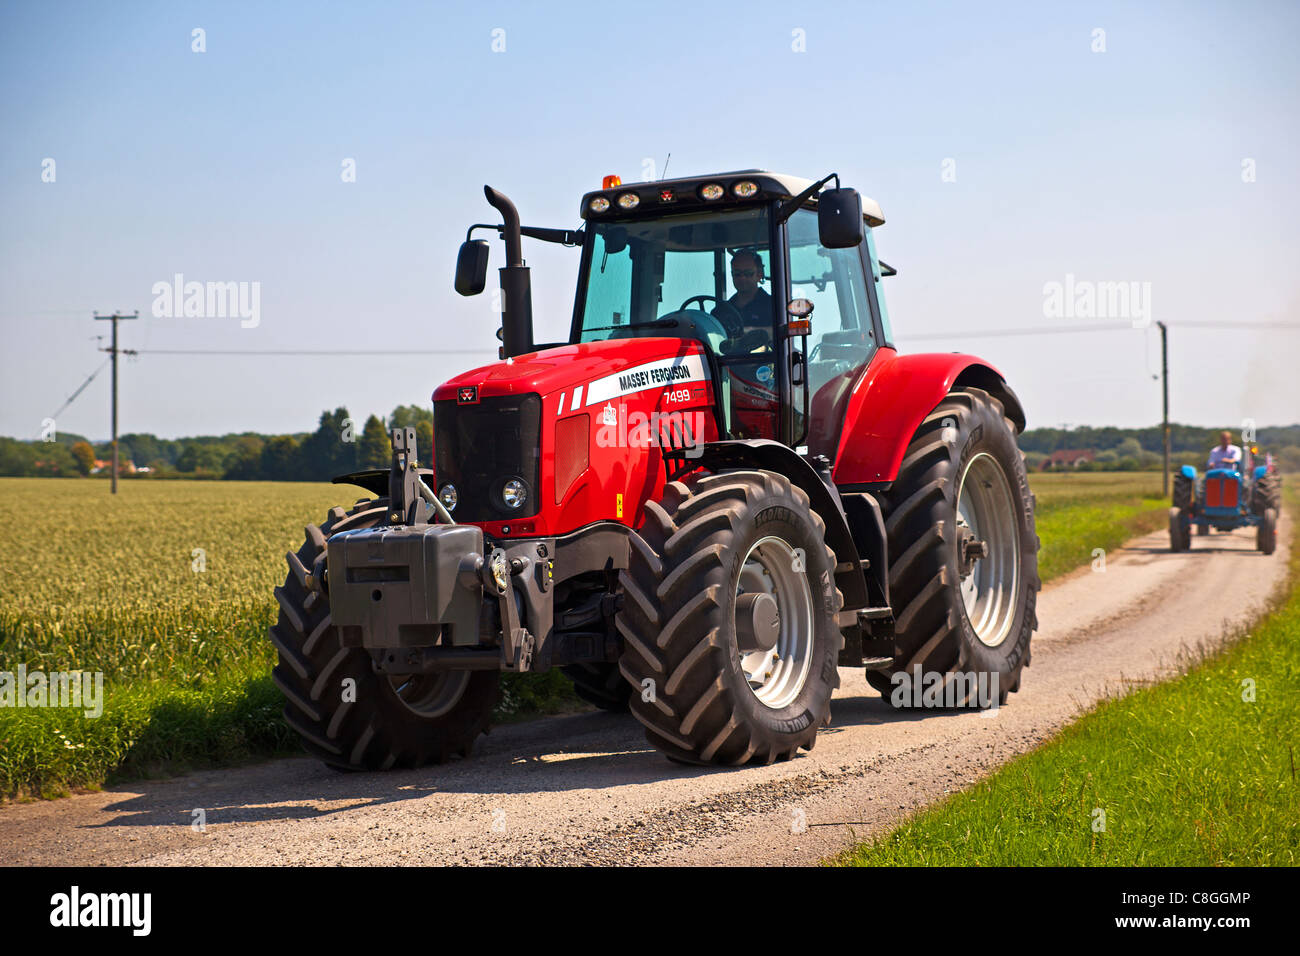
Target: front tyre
729,620
1266,532
963,576
347,715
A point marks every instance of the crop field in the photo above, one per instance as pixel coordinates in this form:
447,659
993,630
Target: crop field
166,591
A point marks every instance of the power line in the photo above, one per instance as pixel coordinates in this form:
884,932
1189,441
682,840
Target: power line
1110,327
391,353
81,388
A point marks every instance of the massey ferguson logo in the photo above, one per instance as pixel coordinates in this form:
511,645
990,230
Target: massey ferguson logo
467,395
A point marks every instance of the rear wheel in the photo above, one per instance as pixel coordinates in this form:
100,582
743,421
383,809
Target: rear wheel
1266,532
1184,491
1267,493
346,714
963,576
729,620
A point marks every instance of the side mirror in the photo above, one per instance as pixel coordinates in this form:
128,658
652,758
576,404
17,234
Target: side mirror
471,267
839,218
615,240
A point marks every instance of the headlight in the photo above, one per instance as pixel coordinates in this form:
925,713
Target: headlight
599,204
514,493
711,191
744,189
447,495
629,201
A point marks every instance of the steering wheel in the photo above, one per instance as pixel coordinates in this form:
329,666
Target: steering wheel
726,313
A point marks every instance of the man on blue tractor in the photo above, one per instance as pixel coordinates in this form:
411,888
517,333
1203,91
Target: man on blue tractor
1234,492
1225,454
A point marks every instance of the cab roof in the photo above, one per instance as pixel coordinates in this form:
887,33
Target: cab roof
685,192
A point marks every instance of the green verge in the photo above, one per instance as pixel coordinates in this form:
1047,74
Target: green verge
1197,771
1077,514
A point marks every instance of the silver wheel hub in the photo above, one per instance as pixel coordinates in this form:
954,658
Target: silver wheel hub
988,549
430,695
774,622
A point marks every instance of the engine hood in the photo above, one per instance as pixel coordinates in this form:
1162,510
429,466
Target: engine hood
567,366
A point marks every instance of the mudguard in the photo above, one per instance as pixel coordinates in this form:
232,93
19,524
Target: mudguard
890,401
1188,471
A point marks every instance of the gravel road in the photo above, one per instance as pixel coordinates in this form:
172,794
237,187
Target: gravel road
586,789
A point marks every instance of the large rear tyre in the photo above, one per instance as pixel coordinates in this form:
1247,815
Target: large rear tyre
1266,532
1267,493
963,575
346,714
1184,490
729,620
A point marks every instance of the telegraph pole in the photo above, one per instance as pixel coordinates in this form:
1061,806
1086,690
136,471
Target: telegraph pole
1164,381
113,350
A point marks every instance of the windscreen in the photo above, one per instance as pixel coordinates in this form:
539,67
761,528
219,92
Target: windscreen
641,273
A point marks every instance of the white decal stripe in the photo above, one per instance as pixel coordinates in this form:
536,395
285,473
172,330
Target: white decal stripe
661,373
577,399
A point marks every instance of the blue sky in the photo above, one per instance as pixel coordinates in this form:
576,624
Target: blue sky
1122,165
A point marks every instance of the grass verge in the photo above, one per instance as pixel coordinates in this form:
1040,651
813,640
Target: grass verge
1197,771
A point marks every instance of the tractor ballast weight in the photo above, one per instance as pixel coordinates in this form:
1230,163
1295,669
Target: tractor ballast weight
698,513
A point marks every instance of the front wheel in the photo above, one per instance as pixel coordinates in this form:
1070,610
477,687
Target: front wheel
1266,532
729,620
963,575
346,714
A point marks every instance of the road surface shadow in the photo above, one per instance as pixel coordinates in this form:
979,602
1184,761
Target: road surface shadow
547,755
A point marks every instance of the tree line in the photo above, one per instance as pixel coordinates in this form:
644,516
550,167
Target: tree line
337,446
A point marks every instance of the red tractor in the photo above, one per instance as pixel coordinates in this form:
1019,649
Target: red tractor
699,506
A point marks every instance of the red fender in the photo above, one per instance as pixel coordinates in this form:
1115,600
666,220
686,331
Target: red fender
892,398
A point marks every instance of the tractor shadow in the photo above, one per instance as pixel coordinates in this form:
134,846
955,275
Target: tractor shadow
547,755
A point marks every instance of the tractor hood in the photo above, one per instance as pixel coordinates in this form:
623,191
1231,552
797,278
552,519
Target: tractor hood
612,367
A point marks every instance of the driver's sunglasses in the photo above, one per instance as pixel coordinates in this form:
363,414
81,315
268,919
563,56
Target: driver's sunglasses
743,273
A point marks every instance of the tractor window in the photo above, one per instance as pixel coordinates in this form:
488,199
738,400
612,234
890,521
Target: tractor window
842,341
674,268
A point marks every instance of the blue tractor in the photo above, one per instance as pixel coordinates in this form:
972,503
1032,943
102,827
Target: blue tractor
1224,499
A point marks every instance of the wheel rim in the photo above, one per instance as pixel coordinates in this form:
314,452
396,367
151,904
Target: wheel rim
777,676
430,695
986,512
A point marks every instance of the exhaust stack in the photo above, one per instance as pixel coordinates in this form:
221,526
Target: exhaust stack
516,286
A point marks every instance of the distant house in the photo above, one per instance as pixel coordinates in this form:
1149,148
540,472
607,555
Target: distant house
123,467
1067,458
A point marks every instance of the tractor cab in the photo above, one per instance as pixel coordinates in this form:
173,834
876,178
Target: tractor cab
788,311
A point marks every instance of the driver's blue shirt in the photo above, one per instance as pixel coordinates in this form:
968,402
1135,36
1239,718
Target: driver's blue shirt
757,312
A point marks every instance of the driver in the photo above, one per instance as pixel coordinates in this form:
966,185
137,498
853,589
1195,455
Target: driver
753,304
1225,454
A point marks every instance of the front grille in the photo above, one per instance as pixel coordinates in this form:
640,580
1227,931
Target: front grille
479,447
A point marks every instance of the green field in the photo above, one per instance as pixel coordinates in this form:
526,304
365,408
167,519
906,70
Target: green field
1078,513
1197,771
166,590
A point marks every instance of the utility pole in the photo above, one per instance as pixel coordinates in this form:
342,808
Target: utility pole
115,318
1164,381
